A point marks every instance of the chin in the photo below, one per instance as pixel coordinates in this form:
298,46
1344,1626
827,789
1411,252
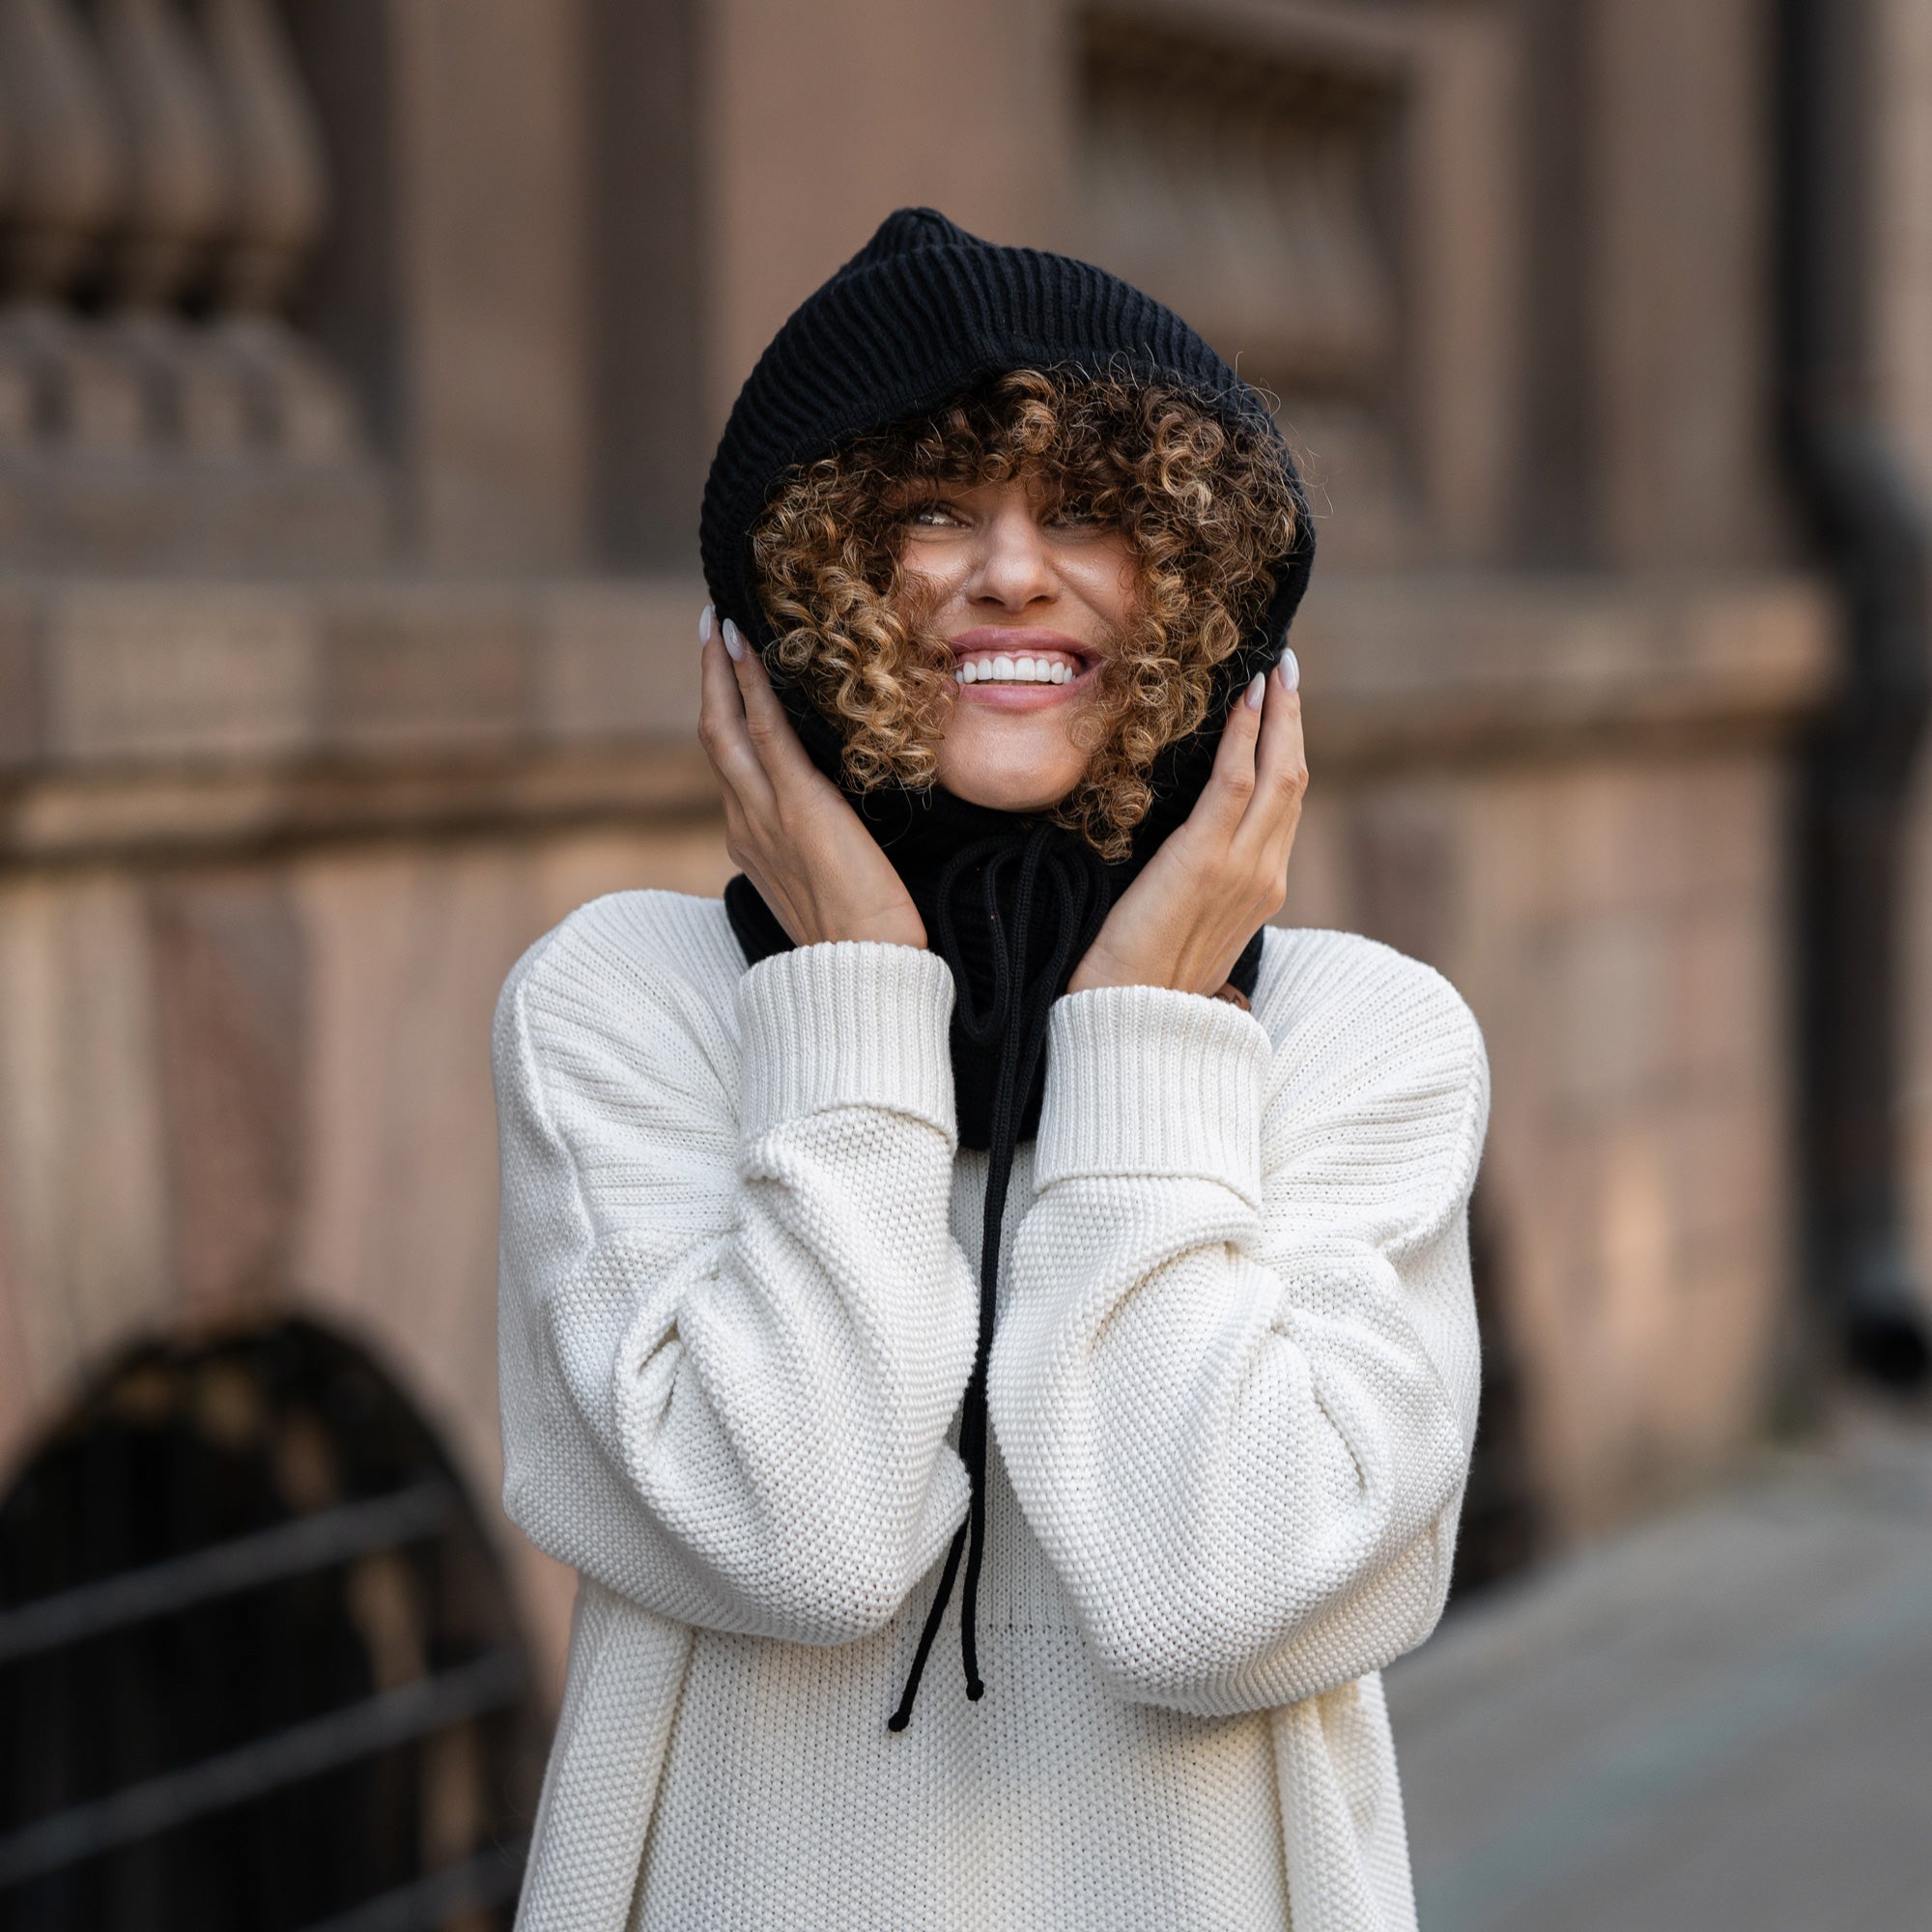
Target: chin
1015,791
1018,778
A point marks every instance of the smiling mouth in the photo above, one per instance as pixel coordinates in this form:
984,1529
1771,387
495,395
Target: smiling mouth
1047,667
1014,662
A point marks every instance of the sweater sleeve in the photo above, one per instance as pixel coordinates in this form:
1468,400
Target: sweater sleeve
1234,1387
734,1326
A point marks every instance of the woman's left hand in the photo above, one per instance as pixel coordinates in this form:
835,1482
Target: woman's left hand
1185,918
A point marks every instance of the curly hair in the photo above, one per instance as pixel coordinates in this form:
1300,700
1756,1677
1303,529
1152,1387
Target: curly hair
1209,509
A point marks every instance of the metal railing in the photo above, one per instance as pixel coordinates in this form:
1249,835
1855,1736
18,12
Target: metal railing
483,1684
224,1570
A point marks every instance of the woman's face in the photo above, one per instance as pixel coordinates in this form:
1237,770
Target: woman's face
1032,599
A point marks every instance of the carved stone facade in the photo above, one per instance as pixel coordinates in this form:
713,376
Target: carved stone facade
163,191
357,371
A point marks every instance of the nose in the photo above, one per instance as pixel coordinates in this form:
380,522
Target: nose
1012,567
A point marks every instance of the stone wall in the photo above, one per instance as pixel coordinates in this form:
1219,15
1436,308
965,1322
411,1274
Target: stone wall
253,921
1577,810
267,853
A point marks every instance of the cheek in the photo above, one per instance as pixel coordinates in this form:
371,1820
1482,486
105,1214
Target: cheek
929,575
1108,583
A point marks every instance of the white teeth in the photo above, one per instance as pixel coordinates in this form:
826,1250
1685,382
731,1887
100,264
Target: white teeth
1015,671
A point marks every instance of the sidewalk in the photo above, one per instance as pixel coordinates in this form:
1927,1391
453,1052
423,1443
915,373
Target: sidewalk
1721,1723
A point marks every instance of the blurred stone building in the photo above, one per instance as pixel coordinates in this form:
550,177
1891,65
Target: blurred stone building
359,362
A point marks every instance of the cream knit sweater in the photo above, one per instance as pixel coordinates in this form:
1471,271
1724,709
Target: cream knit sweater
1233,1391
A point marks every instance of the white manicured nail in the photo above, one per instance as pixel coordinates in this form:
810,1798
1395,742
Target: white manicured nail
1256,690
1288,671
734,642
705,620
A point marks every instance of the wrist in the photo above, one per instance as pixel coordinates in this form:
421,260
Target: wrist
900,926
1098,969
899,930
1091,979
1188,975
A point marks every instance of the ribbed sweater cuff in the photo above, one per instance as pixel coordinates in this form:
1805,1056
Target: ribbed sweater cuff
851,1023
1144,1081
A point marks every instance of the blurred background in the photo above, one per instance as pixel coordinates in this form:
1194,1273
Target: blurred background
360,364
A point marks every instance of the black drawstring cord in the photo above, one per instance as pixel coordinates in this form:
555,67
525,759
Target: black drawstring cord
1014,1023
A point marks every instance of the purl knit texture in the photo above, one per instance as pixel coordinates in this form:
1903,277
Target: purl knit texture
1233,1392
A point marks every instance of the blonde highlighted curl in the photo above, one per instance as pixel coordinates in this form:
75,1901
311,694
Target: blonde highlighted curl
1209,514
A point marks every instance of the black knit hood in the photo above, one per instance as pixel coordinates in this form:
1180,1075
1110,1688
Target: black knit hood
922,314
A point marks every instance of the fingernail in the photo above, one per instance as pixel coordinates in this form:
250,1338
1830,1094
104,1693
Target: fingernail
1256,690
734,642
704,622
1288,671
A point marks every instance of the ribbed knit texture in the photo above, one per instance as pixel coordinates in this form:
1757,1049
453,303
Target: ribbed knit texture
834,995
1111,1050
1232,1390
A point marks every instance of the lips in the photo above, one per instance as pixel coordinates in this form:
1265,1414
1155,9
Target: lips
1018,660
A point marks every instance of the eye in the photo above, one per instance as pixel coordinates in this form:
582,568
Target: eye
1078,516
933,516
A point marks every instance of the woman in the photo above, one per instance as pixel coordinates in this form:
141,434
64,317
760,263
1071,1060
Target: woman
976,1237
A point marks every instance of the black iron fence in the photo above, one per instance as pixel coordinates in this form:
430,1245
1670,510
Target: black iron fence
257,1667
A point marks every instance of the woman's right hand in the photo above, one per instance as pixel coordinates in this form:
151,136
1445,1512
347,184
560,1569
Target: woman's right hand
786,825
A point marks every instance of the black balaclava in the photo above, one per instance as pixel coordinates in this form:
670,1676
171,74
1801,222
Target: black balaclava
922,314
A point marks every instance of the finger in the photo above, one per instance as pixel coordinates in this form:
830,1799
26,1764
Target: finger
768,728
1230,785
722,731
1281,762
